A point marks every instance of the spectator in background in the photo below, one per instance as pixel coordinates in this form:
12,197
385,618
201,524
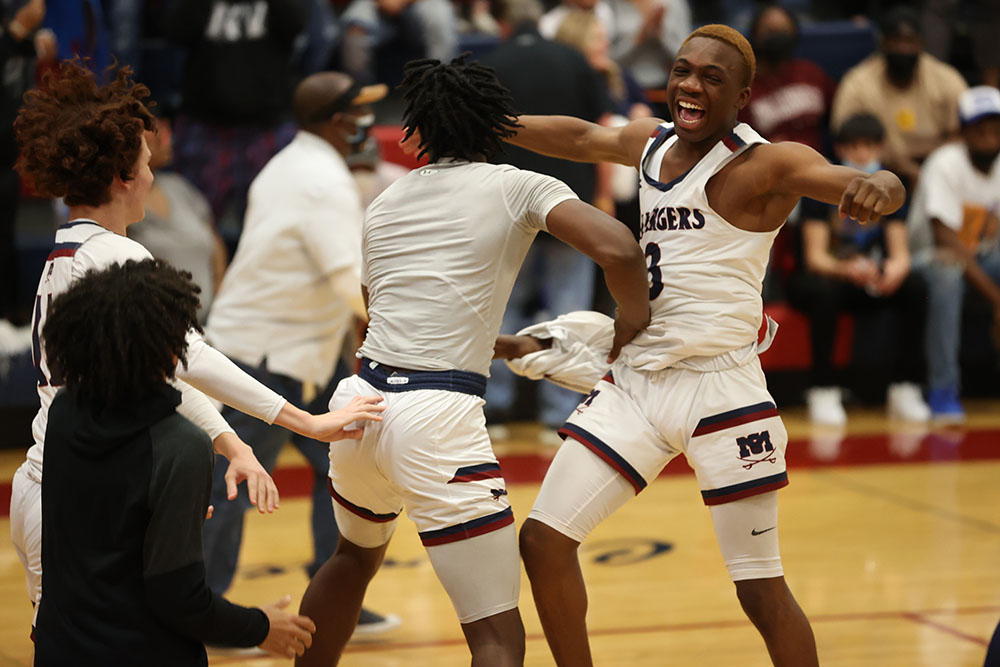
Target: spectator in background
236,92
984,28
953,223
859,268
371,173
123,574
81,30
178,225
427,25
20,44
914,94
790,97
290,298
545,78
644,34
583,31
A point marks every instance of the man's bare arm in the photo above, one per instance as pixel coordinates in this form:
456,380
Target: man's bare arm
610,244
797,170
947,238
509,346
575,139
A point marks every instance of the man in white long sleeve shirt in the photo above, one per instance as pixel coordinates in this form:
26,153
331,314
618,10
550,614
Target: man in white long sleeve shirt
291,295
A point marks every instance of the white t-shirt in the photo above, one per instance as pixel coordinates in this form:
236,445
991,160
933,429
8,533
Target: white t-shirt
442,247
956,193
82,245
303,223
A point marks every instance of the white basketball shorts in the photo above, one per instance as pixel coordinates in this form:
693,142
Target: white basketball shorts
431,455
725,422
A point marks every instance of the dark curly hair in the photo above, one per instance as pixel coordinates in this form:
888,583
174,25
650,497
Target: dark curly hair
75,136
113,335
460,109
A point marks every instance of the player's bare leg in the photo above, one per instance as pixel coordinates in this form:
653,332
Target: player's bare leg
779,619
496,641
557,585
333,600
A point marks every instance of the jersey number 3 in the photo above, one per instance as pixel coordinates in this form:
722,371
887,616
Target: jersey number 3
655,277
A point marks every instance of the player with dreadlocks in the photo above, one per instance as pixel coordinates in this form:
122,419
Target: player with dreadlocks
486,119
441,249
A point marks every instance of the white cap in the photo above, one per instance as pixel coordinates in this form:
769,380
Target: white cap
977,103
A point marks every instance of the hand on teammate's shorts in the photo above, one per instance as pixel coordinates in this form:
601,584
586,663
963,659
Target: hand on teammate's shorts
290,634
333,425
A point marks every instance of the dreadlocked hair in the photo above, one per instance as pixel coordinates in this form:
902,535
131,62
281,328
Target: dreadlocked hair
460,109
113,336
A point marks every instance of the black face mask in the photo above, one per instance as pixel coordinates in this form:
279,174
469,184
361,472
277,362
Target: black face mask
900,66
983,160
776,47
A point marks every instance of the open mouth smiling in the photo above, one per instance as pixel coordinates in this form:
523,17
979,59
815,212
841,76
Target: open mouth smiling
689,114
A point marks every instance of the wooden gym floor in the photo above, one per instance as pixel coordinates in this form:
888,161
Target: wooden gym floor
890,538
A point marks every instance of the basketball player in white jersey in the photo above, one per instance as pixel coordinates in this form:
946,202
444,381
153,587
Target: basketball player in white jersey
441,248
713,196
85,143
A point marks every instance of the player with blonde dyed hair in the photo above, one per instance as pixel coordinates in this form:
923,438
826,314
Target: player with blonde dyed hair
713,195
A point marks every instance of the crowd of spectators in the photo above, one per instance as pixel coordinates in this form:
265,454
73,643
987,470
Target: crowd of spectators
223,71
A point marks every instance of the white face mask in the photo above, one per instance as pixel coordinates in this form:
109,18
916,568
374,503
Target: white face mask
869,167
362,124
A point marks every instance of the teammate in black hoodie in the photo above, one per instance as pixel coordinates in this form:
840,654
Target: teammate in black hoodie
126,487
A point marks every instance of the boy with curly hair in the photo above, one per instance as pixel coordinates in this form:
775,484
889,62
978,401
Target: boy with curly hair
84,142
130,588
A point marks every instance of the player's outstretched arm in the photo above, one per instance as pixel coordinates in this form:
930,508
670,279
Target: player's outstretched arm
610,244
797,170
510,346
332,425
575,139
572,138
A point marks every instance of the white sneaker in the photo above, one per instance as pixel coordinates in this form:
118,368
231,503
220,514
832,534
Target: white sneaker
904,401
825,406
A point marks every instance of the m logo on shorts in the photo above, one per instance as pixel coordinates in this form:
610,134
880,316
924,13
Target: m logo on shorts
756,448
587,401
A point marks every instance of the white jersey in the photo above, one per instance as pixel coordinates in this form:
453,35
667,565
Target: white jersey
82,245
442,247
705,274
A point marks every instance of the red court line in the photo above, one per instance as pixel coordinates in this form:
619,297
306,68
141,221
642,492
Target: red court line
917,617
857,450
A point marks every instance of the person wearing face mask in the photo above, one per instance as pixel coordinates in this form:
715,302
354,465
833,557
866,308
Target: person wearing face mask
914,94
863,269
790,98
953,221
290,296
